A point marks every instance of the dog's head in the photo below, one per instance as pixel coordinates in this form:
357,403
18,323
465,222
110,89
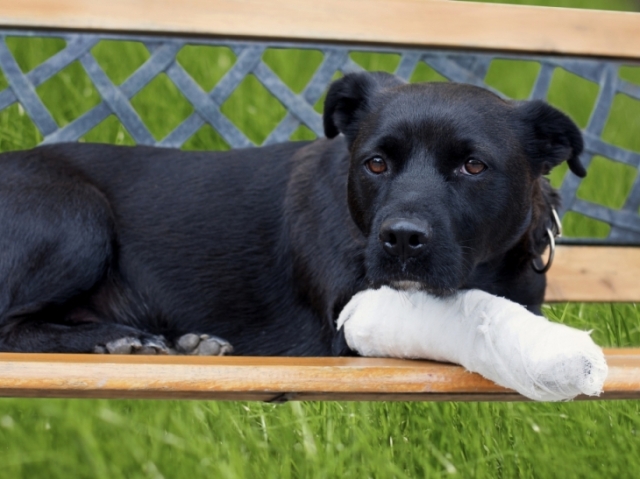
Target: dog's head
444,176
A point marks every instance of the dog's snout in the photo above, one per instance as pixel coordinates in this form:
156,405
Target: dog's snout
403,237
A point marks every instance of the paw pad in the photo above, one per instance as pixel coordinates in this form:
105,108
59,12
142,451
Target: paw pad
202,345
152,345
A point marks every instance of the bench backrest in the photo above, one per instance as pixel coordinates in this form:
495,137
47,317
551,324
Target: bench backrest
459,41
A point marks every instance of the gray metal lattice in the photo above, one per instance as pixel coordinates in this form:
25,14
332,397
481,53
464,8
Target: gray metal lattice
459,66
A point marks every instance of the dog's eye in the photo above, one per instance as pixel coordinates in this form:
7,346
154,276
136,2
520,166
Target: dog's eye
376,165
473,167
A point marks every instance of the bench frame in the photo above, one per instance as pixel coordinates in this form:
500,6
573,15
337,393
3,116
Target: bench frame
445,34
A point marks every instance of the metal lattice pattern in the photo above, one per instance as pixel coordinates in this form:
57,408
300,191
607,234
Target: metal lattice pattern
468,67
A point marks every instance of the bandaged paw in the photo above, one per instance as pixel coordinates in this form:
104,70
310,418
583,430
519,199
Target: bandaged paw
486,334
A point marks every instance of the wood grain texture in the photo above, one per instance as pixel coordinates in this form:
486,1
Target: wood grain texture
269,379
594,274
392,22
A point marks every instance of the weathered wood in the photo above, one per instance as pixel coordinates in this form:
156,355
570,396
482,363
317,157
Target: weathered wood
269,379
594,273
390,22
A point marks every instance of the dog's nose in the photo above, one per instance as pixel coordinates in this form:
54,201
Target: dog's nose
404,237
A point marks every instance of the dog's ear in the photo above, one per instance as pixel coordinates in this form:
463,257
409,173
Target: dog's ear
349,100
550,137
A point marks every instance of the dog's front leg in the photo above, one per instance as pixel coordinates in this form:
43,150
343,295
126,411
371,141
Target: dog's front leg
486,334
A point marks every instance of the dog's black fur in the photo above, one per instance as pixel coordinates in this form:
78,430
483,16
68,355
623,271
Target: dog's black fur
264,246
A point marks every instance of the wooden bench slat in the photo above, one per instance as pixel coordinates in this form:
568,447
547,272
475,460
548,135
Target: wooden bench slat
580,273
269,379
390,22
594,274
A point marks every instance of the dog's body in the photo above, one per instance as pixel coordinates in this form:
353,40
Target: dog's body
435,185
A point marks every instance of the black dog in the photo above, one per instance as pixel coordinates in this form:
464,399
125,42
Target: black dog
122,249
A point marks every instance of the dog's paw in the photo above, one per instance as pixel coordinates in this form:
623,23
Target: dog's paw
542,360
578,367
202,345
150,345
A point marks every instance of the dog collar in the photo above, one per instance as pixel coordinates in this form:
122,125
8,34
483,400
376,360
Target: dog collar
555,231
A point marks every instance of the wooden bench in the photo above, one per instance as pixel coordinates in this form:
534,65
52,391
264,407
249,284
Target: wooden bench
457,39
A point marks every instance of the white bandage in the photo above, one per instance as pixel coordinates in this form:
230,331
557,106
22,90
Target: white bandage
486,334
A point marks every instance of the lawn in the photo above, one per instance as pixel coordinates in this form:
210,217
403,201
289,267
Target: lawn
189,439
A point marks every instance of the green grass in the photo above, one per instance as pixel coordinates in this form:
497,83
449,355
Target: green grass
177,439
149,439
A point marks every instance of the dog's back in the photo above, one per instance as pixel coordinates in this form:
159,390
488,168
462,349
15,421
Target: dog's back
170,242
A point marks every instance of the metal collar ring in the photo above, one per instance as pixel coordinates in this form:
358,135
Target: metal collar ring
554,232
